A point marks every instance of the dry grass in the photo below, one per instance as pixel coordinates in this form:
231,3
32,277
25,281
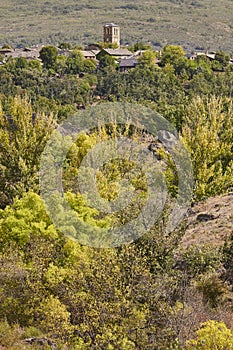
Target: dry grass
212,232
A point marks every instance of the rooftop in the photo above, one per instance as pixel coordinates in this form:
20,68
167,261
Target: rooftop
111,25
118,52
87,53
128,62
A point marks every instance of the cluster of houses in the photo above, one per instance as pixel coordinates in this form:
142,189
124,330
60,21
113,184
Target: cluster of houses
123,56
111,35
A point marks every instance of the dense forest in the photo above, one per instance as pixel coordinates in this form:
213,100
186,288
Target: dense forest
153,293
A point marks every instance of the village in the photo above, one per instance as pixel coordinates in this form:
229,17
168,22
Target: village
110,46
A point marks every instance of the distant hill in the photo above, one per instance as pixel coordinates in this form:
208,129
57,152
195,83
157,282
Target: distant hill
204,24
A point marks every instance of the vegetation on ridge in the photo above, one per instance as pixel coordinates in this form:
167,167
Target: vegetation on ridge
151,294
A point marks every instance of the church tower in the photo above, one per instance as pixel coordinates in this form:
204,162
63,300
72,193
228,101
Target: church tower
112,33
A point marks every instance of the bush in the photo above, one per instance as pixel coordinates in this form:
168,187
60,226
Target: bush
212,289
9,335
199,260
212,336
53,318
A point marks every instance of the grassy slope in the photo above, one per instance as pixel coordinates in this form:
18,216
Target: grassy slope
191,23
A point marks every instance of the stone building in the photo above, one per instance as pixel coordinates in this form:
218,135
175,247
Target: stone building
112,33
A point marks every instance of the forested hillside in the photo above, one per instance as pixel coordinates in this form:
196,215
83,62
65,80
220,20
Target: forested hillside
164,290
193,24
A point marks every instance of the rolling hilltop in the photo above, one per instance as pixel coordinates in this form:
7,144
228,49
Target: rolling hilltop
191,23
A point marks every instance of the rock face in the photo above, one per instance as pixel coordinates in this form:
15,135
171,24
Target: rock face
205,217
210,222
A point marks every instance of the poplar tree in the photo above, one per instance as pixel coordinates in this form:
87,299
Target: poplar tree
23,135
207,133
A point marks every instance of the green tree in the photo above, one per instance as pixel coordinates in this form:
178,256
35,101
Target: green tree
89,66
107,61
139,46
223,60
61,65
48,55
65,46
171,54
148,58
75,62
21,62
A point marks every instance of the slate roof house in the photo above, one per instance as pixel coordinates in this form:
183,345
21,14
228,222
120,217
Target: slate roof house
127,63
195,55
116,53
27,53
88,54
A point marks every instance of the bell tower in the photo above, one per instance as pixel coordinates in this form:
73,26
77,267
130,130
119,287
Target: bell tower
112,33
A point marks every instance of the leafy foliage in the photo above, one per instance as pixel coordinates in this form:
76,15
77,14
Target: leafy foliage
142,295
23,136
208,136
48,56
212,335
72,292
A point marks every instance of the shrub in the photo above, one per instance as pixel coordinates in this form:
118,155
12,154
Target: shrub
212,289
212,336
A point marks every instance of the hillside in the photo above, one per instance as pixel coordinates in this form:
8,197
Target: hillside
87,166
210,222
190,23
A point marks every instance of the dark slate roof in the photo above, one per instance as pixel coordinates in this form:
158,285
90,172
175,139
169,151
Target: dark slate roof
128,62
32,54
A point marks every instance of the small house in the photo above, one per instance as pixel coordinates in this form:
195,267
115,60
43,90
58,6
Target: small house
88,55
127,63
116,53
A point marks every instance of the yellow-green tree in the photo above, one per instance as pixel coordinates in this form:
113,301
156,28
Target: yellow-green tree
23,135
212,335
207,133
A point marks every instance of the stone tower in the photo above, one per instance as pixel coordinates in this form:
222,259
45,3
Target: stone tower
112,33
